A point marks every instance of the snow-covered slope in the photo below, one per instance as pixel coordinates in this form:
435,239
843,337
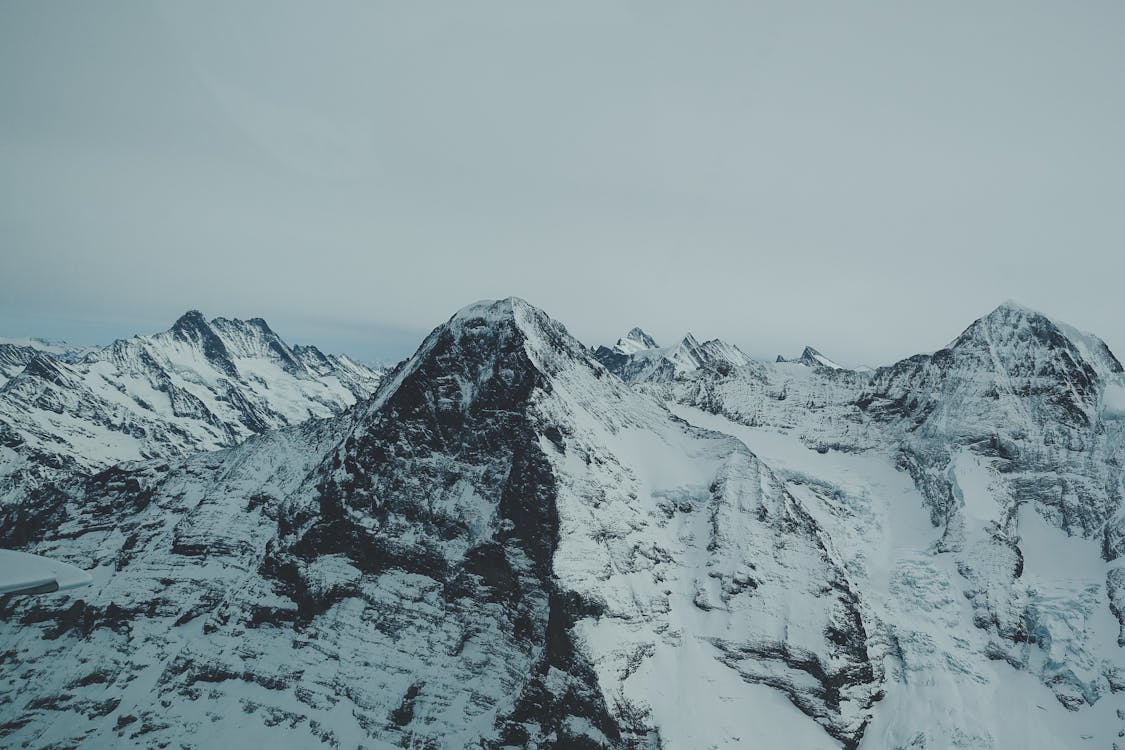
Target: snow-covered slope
504,547
198,386
508,546
1013,449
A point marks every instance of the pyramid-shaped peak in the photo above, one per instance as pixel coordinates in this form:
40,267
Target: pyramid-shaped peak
190,321
537,329
505,344
1013,333
192,328
1009,319
492,309
811,357
1009,311
640,336
636,340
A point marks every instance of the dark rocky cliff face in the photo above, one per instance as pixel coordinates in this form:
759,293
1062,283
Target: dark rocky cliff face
458,425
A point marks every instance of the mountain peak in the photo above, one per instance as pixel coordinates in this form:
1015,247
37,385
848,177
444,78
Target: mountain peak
193,329
634,341
1009,313
262,326
638,333
535,325
689,340
1012,320
810,357
485,349
492,309
189,322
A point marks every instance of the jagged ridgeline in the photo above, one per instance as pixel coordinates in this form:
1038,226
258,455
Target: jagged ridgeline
507,545
196,387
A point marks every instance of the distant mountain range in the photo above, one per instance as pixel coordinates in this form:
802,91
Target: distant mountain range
198,386
512,540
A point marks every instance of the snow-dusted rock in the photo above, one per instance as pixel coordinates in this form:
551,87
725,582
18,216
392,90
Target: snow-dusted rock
198,386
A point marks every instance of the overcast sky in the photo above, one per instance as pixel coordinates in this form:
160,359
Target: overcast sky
865,178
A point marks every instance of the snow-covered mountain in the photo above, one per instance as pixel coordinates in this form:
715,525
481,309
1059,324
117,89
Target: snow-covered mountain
975,496
636,357
505,546
508,546
634,341
812,358
198,386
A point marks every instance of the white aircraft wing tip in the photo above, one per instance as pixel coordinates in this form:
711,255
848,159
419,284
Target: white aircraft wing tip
24,573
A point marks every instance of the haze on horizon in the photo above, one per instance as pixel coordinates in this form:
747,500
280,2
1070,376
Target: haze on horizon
866,179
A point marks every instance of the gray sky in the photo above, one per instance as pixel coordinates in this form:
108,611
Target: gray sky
865,178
